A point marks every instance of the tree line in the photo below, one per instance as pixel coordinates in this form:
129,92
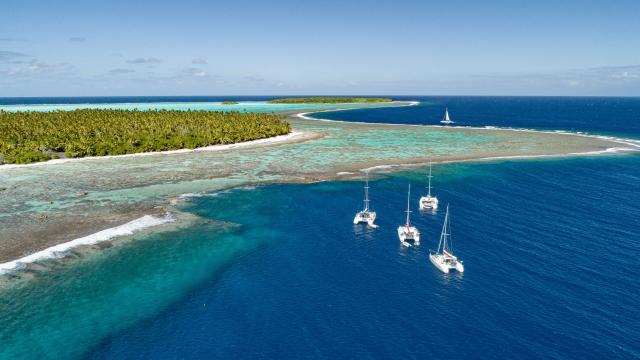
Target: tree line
32,136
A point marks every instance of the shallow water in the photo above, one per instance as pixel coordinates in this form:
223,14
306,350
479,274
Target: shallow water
242,106
45,198
62,308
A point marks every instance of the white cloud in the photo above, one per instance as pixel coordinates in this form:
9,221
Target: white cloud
195,72
10,56
254,78
119,71
40,68
142,61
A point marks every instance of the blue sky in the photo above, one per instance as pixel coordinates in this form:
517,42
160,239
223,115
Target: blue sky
240,47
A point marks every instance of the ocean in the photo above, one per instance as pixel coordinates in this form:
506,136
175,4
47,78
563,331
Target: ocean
550,247
602,115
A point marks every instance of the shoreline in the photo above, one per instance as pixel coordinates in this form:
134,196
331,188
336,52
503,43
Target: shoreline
635,143
99,234
62,249
149,221
292,137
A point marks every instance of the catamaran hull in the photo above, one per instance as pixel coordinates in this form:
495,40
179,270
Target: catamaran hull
409,238
445,267
359,219
438,264
428,203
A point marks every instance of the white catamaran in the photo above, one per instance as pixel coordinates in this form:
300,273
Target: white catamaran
366,216
428,202
446,119
409,235
443,258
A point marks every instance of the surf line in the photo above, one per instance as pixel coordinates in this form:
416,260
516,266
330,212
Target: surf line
58,251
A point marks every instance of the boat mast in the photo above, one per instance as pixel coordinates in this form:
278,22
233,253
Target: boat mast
408,209
442,244
366,193
447,243
429,195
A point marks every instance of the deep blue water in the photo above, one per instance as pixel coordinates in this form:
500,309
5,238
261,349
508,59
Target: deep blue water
550,247
606,115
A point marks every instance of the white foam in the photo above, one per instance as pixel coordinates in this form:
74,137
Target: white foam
198,195
391,167
216,193
59,250
190,195
381,167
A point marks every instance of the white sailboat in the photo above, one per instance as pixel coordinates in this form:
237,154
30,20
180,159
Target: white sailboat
446,119
428,202
409,235
365,216
443,258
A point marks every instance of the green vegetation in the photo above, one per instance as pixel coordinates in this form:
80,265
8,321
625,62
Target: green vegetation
27,137
229,102
327,100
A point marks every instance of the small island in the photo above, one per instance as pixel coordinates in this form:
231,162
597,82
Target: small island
229,102
27,137
328,100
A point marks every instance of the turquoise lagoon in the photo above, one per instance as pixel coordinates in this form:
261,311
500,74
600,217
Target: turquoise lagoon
42,198
243,106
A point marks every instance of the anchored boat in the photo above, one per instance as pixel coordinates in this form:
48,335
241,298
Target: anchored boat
366,216
428,202
443,258
409,235
446,119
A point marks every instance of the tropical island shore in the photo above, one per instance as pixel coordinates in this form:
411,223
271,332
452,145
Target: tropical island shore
50,205
28,137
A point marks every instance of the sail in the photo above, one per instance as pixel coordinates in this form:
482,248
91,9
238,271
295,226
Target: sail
446,115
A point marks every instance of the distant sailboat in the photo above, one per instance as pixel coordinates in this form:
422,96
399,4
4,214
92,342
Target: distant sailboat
366,216
446,119
428,202
443,258
409,235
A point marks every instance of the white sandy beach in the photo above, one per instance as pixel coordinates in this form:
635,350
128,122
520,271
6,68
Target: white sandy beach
292,137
